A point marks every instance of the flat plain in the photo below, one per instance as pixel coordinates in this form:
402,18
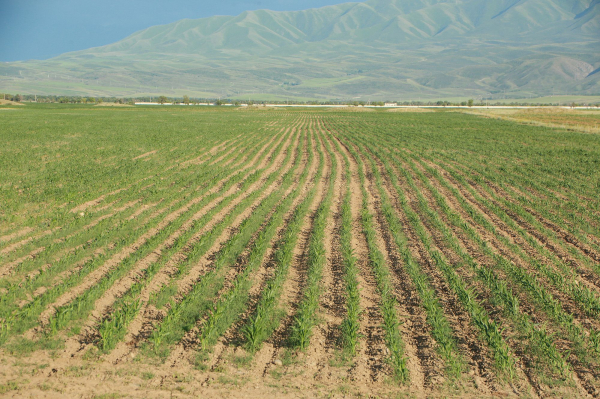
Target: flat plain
211,252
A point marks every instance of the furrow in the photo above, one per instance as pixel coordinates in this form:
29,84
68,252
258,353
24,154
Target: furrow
369,365
142,323
116,259
292,288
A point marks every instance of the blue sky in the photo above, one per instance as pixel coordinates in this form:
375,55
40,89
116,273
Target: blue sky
41,29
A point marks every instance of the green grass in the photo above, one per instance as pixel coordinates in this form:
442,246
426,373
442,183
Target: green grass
485,232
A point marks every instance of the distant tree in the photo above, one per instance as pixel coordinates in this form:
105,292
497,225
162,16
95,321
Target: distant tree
470,103
18,98
162,99
186,100
99,100
237,103
219,102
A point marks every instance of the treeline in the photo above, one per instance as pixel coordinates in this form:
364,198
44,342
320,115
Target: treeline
10,97
63,99
194,101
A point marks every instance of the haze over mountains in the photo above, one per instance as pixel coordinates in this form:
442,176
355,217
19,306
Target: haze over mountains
379,49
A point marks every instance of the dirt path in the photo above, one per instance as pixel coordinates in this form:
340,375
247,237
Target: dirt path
16,234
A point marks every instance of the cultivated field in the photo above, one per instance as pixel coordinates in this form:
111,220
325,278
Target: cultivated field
586,121
205,252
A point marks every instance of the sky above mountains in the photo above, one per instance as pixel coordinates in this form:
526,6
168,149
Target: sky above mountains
41,29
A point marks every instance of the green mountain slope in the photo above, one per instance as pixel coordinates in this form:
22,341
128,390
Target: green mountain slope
375,49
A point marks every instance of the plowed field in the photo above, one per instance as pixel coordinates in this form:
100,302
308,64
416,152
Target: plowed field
206,252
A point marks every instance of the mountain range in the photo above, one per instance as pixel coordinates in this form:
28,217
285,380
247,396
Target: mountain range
377,49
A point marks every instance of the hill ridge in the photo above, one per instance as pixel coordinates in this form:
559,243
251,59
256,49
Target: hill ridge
378,49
